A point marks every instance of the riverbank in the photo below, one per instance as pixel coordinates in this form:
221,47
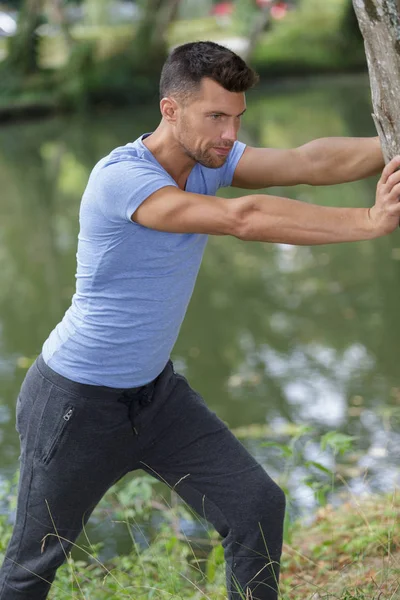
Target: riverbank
98,71
348,553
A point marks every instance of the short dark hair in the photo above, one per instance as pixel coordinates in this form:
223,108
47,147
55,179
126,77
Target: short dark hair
189,63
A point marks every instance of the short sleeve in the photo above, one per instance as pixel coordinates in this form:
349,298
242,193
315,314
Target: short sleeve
121,187
228,170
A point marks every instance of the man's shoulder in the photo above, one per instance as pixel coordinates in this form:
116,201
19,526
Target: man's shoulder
131,159
132,153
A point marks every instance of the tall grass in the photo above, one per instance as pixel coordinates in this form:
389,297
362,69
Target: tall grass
346,553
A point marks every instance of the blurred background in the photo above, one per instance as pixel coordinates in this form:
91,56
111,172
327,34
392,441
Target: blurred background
61,54
277,338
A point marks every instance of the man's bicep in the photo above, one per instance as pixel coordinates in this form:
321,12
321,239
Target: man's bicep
266,167
176,211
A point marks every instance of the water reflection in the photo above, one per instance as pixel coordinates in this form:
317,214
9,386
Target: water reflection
274,333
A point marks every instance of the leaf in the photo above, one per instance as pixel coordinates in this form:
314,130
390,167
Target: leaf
286,450
287,529
338,442
317,465
215,559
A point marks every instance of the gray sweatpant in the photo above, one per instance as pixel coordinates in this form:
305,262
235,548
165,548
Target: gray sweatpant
78,440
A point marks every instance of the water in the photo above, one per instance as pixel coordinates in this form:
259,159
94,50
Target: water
274,334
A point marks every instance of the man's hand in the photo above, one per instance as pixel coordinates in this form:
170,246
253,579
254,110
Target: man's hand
385,214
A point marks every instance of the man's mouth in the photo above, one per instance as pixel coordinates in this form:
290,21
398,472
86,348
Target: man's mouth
223,151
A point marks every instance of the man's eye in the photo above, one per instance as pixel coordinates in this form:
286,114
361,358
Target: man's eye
215,117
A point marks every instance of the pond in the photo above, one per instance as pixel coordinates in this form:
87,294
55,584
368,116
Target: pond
276,337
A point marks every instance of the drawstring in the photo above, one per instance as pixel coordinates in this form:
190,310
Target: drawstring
129,402
132,398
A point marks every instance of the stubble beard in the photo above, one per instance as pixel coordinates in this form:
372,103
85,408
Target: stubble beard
205,158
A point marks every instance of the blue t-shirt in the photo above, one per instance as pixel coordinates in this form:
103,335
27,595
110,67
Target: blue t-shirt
133,284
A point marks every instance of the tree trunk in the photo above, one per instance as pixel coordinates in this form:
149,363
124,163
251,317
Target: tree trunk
23,47
379,22
260,24
57,11
151,41
166,16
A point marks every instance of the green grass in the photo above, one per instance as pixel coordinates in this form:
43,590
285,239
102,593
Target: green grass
347,553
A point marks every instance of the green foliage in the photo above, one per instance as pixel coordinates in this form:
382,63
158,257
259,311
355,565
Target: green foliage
20,91
309,39
121,65
319,479
113,80
339,443
245,15
357,594
214,562
23,48
15,3
136,495
169,566
8,501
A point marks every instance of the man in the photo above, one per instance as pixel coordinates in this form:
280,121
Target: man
103,398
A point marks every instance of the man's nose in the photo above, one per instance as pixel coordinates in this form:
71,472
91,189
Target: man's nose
229,134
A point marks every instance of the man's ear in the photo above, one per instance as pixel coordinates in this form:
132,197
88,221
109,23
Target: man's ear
169,108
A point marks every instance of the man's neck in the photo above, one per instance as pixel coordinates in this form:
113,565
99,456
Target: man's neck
170,155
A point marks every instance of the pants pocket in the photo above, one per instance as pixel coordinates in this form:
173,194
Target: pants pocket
59,432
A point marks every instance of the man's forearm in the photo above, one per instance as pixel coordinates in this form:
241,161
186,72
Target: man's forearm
282,220
339,160
273,219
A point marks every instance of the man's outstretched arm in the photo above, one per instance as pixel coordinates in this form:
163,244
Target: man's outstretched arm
324,161
264,218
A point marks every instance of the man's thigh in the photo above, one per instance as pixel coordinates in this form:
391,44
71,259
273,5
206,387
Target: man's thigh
189,447
72,447
72,451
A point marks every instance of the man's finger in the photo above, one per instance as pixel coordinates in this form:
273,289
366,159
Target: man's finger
390,168
393,180
394,194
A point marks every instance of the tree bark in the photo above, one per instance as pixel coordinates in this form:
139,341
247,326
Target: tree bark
167,14
23,47
57,10
379,22
259,26
150,42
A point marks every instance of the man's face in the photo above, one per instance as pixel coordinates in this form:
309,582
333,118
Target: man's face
207,125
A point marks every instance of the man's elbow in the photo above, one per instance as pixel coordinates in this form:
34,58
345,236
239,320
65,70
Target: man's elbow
241,216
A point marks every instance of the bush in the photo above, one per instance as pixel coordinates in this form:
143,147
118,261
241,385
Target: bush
309,39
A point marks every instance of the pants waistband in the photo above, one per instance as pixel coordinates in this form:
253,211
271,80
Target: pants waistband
84,389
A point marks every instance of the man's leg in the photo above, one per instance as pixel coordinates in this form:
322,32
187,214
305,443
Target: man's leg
189,447
73,448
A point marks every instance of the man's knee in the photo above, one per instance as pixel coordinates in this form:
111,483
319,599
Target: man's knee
264,501
257,525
